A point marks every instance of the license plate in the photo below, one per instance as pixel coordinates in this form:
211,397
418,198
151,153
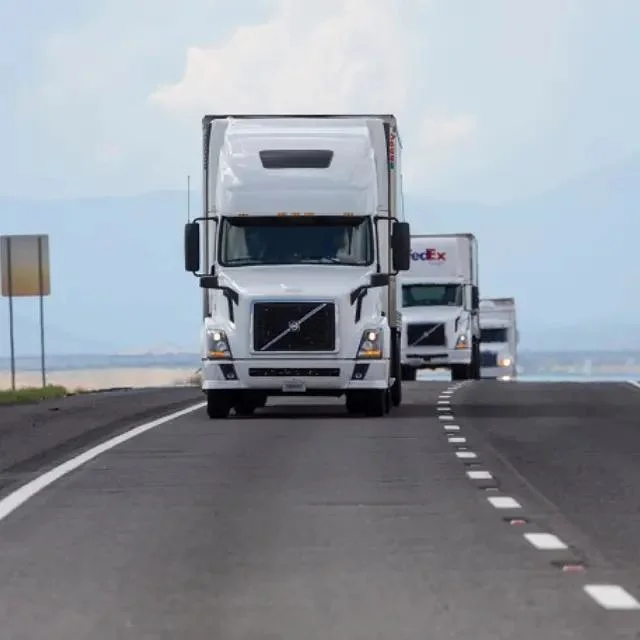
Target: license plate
294,386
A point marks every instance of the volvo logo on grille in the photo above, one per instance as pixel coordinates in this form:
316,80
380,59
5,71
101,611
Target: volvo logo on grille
294,326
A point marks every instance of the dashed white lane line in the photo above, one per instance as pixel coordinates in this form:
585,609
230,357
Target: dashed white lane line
479,475
466,455
545,541
609,596
612,596
504,502
27,491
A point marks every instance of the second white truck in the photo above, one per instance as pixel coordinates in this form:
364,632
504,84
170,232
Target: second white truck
498,338
439,305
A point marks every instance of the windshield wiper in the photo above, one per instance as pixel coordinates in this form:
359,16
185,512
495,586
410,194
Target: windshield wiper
321,260
242,261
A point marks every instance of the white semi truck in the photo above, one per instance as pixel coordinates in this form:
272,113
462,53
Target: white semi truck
303,238
498,338
439,300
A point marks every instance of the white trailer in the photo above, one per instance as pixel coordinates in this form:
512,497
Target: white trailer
439,300
499,339
304,235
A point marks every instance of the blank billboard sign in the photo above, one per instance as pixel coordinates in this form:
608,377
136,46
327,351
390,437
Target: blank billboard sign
24,261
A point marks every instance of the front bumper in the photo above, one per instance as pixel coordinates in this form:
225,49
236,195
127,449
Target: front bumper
295,376
498,373
435,358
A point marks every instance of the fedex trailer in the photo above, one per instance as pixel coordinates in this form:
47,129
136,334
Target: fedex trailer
439,306
498,338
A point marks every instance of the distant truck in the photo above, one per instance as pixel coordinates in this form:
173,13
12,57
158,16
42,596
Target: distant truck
498,338
439,298
304,235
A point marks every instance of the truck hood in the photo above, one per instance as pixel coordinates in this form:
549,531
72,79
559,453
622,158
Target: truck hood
295,280
431,314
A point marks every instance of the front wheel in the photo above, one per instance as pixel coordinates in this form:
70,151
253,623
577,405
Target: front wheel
373,403
408,373
218,404
474,373
396,367
377,402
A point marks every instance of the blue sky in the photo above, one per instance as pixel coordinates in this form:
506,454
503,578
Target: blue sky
497,99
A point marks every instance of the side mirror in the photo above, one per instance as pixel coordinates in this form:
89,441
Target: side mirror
379,280
401,245
475,297
192,247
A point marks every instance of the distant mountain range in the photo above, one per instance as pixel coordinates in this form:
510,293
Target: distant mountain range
569,256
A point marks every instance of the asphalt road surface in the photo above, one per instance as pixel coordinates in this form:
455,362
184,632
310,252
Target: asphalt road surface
303,523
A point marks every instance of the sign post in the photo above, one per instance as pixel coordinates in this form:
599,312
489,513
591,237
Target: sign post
24,262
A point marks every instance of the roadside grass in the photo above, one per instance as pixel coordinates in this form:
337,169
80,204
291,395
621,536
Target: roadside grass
29,395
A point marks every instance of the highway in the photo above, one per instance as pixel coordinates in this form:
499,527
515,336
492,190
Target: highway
478,510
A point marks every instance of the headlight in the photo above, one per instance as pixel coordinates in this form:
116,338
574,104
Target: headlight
216,345
463,342
370,344
505,362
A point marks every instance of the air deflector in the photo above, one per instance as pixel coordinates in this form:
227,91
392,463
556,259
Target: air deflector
296,158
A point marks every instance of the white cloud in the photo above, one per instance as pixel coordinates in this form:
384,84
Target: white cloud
341,55
97,104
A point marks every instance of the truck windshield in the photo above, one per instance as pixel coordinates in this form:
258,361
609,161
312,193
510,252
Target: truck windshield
296,240
431,295
493,334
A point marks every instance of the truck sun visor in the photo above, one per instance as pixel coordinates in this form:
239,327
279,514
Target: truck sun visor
296,158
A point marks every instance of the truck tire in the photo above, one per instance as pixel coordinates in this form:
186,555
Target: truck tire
218,404
355,404
475,362
396,373
459,372
408,373
376,402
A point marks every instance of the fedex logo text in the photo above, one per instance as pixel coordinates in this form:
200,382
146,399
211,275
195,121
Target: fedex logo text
429,255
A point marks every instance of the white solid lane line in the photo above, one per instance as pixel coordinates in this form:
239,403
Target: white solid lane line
545,541
18,497
633,383
612,596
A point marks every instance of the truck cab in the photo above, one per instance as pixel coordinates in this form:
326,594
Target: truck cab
303,239
498,339
439,306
